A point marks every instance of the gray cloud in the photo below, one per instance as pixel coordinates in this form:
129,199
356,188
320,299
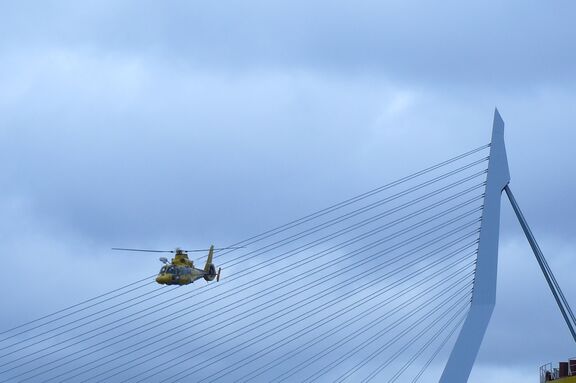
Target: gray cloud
483,44
124,125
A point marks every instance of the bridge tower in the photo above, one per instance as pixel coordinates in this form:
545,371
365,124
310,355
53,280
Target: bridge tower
468,343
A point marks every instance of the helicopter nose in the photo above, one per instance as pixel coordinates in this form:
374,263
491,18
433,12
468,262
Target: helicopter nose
163,279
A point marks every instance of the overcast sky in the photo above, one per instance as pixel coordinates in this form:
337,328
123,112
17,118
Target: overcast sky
134,123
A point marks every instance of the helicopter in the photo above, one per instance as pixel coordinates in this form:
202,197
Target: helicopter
180,270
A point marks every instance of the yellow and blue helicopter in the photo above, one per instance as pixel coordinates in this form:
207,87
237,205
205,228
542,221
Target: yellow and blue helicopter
180,270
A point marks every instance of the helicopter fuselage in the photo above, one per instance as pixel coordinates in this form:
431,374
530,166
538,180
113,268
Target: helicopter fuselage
181,270
178,275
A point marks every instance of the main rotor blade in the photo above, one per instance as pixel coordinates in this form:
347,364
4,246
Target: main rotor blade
218,249
143,250
174,251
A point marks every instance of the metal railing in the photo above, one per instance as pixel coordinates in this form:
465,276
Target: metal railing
549,373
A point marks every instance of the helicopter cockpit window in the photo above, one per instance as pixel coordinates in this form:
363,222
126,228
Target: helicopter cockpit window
163,269
171,270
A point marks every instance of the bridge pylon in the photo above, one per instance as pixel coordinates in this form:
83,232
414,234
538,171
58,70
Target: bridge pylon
466,348
468,343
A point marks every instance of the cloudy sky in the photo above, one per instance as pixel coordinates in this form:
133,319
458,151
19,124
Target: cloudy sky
130,123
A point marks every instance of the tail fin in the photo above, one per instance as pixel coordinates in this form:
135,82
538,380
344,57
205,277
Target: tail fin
209,260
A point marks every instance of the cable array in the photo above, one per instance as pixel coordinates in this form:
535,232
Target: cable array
370,288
